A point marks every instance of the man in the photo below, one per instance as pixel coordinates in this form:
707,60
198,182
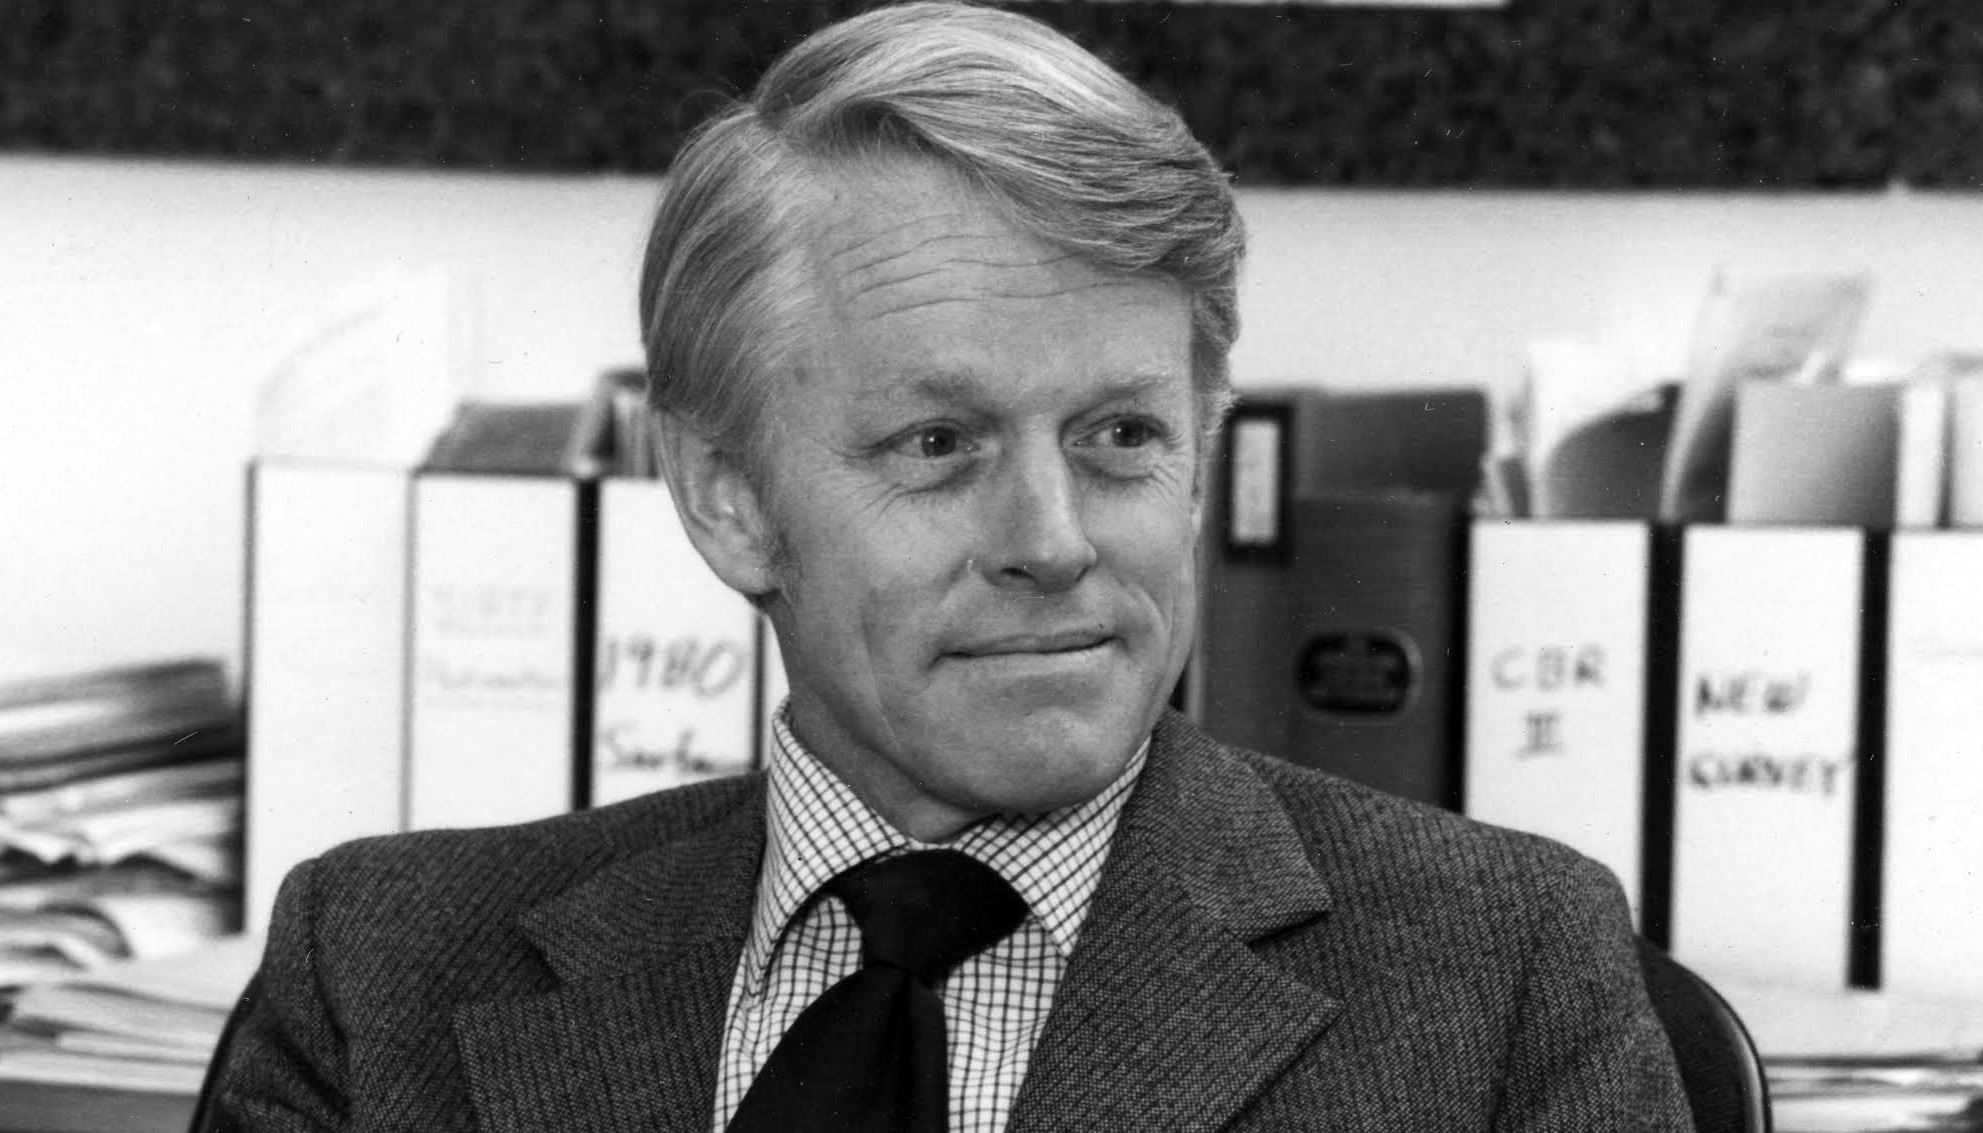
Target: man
936,329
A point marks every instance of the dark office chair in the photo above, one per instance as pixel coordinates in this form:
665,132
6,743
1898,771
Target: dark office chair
1718,1062
206,1115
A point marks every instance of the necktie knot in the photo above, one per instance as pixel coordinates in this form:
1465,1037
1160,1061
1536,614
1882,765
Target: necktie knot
928,911
870,1053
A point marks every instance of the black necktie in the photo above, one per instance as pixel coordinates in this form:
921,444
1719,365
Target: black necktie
869,1054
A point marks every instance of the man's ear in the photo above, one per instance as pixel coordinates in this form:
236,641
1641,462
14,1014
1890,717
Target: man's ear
719,507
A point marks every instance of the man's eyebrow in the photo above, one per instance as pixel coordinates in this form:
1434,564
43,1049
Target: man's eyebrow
962,385
1139,384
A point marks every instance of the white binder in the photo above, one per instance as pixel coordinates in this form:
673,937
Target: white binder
1766,759
326,670
493,649
675,684
1933,877
1556,685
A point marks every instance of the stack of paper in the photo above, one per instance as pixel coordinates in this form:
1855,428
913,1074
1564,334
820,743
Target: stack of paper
1865,455
1773,421
120,810
1592,436
1592,439
123,1048
1964,382
1793,328
72,727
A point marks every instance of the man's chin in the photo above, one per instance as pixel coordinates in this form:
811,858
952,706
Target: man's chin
1034,770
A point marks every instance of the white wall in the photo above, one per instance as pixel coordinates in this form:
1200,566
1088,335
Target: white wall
1363,289
141,304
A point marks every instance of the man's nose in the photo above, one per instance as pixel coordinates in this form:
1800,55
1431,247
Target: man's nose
1038,539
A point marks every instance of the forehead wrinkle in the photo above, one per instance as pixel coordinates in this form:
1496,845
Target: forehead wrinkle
858,282
927,242
940,226
940,268
885,309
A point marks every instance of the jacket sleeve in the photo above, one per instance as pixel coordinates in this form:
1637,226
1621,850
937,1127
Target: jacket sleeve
1588,1052
285,1071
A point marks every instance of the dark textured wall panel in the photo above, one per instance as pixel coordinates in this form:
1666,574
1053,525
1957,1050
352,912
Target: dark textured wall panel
1586,93
1937,78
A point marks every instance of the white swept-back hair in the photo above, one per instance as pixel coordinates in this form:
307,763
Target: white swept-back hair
1066,147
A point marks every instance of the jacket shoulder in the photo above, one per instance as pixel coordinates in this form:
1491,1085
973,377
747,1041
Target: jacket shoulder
532,860
1371,839
442,905
1416,868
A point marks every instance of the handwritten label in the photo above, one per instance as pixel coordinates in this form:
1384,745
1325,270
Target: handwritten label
1766,730
1542,734
1549,668
626,751
689,664
1761,770
1537,678
1555,695
676,664
492,666
644,726
1750,692
482,647
490,611
467,678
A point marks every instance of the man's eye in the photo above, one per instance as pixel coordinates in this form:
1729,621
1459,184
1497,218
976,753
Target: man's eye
1127,433
931,442
1131,433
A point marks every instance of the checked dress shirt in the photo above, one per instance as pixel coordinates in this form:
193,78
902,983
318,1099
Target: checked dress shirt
994,1004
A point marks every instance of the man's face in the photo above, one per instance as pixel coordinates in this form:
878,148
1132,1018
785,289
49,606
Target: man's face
984,487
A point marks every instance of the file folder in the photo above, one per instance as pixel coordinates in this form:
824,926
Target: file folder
1371,667
1556,685
497,660
1933,854
1283,451
1767,770
326,661
675,697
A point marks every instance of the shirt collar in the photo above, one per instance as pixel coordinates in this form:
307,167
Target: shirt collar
817,828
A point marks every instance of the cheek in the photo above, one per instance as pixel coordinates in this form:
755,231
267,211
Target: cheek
1155,545
868,587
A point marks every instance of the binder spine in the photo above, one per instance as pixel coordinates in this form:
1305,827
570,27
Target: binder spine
1458,663
250,499
409,584
1663,604
585,640
1869,817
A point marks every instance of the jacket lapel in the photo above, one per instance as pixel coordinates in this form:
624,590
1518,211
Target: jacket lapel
1168,1018
644,953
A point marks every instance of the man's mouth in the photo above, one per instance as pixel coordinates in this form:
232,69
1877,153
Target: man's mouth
1060,641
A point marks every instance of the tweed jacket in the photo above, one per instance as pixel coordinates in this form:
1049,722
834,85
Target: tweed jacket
1269,948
